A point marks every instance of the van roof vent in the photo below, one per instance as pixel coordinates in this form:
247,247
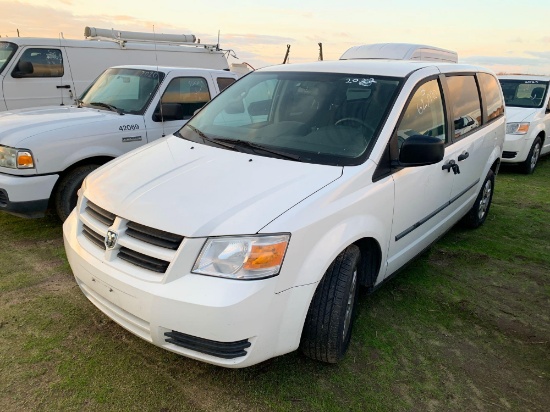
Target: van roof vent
400,51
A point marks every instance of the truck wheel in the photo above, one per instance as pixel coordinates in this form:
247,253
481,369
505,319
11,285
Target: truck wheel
530,163
327,329
479,211
65,196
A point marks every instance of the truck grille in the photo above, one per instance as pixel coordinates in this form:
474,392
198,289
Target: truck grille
148,249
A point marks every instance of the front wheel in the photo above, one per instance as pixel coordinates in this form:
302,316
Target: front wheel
327,329
65,196
479,211
530,163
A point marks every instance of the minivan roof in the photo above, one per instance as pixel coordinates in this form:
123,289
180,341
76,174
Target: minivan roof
376,67
523,77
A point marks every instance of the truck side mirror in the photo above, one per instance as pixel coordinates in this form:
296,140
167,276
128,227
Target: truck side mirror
420,150
23,69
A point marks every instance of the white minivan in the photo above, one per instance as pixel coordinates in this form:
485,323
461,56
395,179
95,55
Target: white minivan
247,233
528,115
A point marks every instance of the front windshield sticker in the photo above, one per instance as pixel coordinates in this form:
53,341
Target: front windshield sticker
426,99
531,82
148,73
361,82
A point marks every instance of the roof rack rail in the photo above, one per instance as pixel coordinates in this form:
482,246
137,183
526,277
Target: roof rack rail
121,37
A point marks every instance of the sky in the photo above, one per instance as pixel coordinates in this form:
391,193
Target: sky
505,36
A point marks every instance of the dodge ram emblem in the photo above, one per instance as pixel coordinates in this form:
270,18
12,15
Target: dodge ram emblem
110,239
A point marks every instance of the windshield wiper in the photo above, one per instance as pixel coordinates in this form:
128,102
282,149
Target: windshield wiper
257,146
210,139
108,106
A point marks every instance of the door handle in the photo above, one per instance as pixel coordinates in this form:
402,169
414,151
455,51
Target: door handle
451,165
463,156
65,86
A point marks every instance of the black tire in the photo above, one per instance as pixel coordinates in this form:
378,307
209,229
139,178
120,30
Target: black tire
479,211
65,196
530,163
329,321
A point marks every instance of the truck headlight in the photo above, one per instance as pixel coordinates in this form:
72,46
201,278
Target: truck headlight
16,158
517,128
242,257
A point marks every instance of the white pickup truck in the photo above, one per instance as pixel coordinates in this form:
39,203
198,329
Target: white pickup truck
46,152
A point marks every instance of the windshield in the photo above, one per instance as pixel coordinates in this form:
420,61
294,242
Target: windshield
7,50
524,93
324,118
123,90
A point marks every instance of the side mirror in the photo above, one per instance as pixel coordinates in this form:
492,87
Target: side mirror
23,69
420,150
170,111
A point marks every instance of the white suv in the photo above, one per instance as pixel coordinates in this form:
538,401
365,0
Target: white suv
528,114
247,233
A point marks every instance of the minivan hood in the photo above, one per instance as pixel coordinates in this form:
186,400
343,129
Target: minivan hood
196,190
520,114
18,125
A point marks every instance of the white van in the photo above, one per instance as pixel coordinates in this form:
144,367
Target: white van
247,233
42,72
400,51
528,114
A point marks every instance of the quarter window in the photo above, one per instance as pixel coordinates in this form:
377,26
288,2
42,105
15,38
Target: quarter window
424,114
464,99
182,97
224,82
493,98
39,63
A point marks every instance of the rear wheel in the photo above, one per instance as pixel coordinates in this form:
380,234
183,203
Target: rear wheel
479,211
65,196
327,330
530,163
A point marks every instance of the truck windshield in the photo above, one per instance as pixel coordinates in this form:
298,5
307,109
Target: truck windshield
123,90
7,50
325,118
524,93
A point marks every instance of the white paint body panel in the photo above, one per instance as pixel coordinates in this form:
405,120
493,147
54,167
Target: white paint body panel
197,192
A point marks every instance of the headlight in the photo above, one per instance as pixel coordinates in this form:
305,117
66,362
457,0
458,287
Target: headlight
246,257
16,158
517,128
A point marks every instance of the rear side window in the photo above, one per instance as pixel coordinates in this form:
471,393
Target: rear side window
464,100
182,97
493,98
6,52
224,82
424,114
39,63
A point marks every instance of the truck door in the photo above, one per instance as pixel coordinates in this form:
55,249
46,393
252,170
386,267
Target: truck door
40,76
182,96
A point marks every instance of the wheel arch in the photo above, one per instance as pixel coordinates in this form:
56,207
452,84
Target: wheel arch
95,160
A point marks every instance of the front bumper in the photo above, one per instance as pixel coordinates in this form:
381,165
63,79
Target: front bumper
516,147
26,196
225,322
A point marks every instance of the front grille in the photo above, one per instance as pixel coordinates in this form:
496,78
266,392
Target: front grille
4,199
225,350
147,248
144,261
105,217
94,237
509,155
154,236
